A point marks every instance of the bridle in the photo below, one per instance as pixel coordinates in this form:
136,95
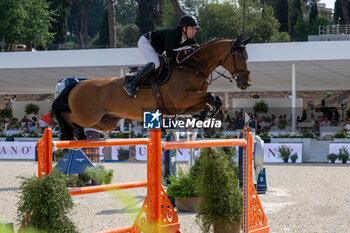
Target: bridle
236,71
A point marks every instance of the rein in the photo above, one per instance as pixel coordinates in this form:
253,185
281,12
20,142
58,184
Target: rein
234,75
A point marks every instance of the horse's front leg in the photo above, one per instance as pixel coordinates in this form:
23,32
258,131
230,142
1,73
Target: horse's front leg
213,105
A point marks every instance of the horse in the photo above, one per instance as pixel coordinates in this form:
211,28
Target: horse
100,103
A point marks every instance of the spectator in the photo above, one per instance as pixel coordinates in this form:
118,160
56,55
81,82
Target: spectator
7,101
24,121
304,115
42,124
31,127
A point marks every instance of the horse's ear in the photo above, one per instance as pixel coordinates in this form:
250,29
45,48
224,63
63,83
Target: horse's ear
238,40
247,40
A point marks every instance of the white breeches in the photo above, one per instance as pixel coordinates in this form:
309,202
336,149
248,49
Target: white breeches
148,51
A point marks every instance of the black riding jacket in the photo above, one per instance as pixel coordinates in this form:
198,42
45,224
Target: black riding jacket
168,40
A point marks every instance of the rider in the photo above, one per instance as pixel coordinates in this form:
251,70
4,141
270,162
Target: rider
156,42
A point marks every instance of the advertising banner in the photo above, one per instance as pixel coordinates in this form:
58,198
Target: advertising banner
17,150
271,154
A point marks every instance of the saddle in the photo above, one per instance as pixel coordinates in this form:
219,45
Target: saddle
159,76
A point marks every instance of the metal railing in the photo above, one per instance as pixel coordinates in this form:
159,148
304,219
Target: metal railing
334,29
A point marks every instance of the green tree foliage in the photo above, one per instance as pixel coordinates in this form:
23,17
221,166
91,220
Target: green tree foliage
103,38
296,14
282,15
168,16
48,202
313,13
95,12
128,35
338,13
25,21
321,20
60,19
37,22
301,30
225,21
219,21
144,18
11,21
125,11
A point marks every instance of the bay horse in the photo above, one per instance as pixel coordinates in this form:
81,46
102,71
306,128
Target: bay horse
100,103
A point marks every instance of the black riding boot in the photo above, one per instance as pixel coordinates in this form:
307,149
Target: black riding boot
130,88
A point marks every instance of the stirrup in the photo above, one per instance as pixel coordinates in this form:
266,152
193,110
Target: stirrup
132,95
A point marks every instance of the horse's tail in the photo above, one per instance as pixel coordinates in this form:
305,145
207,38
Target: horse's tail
59,106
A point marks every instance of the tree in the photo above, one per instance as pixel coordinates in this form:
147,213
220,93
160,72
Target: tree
11,21
337,16
95,10
37,23
282,15
313,13
178,10
80,21
103,38
111,23
301,30
126,11
169,17
144,18
60,19
296,13
345,10
267,26
321,20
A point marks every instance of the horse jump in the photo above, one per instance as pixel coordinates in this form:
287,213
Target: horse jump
157,211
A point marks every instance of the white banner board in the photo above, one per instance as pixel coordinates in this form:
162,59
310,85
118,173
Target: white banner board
335,147
182,154
271,154
17,150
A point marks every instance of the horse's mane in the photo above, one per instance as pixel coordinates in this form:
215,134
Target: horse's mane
210,41
202,46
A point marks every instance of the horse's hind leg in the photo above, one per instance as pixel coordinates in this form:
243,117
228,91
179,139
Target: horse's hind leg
107,123
77,131
66,129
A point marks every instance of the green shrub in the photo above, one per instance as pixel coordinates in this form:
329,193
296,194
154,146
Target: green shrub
343,154
221,199
332,157
47,202
260,107
284,152
294,156
32,109
340,134
6,113
183,185
99,174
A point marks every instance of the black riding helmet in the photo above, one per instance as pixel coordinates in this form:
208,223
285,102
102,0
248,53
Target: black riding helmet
188,21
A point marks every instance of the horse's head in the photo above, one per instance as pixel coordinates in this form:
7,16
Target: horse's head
237,64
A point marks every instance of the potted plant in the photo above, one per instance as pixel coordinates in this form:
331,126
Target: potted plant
184,189
343,155
221,202
96,174
294,157
260,107
123,153
284,152
45,204
332,157
108,176
32,109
